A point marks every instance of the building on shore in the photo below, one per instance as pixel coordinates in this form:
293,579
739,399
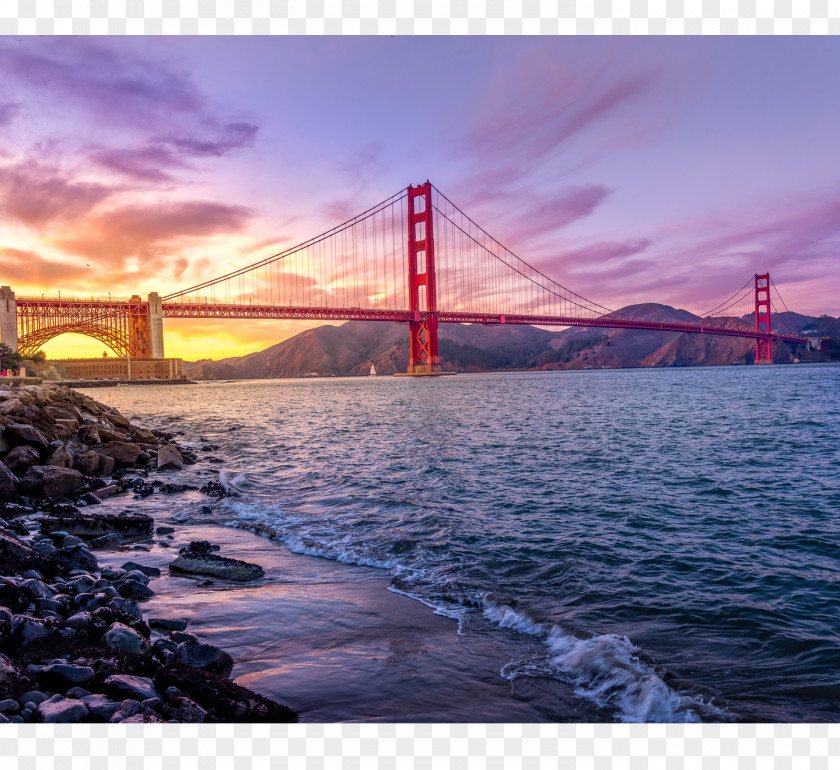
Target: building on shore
107,368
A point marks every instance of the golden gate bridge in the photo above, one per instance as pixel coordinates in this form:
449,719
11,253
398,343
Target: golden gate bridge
415,258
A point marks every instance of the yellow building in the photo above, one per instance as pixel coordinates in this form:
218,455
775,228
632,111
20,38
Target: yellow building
123,368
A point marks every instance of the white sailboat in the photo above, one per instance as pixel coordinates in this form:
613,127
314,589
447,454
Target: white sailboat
372,371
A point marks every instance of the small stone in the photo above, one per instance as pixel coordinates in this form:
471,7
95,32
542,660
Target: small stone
179,637
171,624
101,705
164,530
133,566
71,540
62,711
126,605
131,686
169,458
80,620
205,656
77,692
64,674
130,708
133,589
108,542
121,637
9,705
151,703
32,698
137,575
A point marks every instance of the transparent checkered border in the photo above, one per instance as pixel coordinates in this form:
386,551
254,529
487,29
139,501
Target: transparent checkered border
418,17
422,746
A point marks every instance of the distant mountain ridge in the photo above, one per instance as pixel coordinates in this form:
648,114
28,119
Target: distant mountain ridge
351,348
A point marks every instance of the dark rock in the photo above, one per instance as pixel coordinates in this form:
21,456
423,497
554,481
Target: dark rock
152,572
98,524
202,563
224,700
60,458
32,696
86,462
171,624
77,692
216,490
19,528
80,620
137,575
59,676
62,711
120,637
134,589
75,557
121,451
20,433
164,530
89,435
128,686
106,464
11,678
27,630
184,710
169,458
13,510
17,557
49,605
8,483
107,542
144,719
21,459
126,605
101,705
12,596
49,481
204,656
71,540
9,705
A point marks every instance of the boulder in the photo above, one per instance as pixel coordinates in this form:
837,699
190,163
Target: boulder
169,459
127,686
27,630
170,624
21,433
120,637
89,435
21,459
107,542
133,589
183,709
60,676
152,572
8,483
199,562
17,556
52,482
10,677
98,524
86,462
204,656
61,458
106,465
143,436
101,705
75,557
121,451
67,710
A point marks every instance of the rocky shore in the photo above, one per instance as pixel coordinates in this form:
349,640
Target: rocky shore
75,643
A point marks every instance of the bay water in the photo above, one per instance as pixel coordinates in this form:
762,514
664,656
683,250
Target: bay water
629,545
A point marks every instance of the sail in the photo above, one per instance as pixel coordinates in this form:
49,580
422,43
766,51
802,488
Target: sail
372,371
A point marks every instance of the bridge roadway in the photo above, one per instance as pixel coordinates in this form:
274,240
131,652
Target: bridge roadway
221,310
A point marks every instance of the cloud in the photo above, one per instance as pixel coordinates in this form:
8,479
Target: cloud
220,140
8,110
141,163
116,86
152,233
38,194
28,268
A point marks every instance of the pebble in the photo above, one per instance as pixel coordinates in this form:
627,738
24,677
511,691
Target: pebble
9,705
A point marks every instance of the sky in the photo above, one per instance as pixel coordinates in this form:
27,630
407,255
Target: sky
628,169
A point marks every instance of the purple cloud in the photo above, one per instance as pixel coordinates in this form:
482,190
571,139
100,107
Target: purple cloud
147,163
220,141
8,110
38,194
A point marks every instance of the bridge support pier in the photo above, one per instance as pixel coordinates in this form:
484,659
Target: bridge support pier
763,345
423,329
155,325
8,318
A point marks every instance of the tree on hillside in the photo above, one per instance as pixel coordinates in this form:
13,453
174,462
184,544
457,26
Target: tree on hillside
12,360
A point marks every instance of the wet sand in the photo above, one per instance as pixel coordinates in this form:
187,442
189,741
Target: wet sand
329,639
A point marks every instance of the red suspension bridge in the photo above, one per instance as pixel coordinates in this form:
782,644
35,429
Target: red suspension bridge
414,258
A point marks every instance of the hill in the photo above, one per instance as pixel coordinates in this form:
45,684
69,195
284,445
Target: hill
351,348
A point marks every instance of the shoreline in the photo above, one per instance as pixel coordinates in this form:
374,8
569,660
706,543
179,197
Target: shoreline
312,660
75,642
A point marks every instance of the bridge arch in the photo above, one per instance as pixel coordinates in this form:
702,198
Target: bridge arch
118,343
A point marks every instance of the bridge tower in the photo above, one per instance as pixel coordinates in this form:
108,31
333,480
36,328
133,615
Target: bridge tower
155,313
8,317
763,345
423,328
